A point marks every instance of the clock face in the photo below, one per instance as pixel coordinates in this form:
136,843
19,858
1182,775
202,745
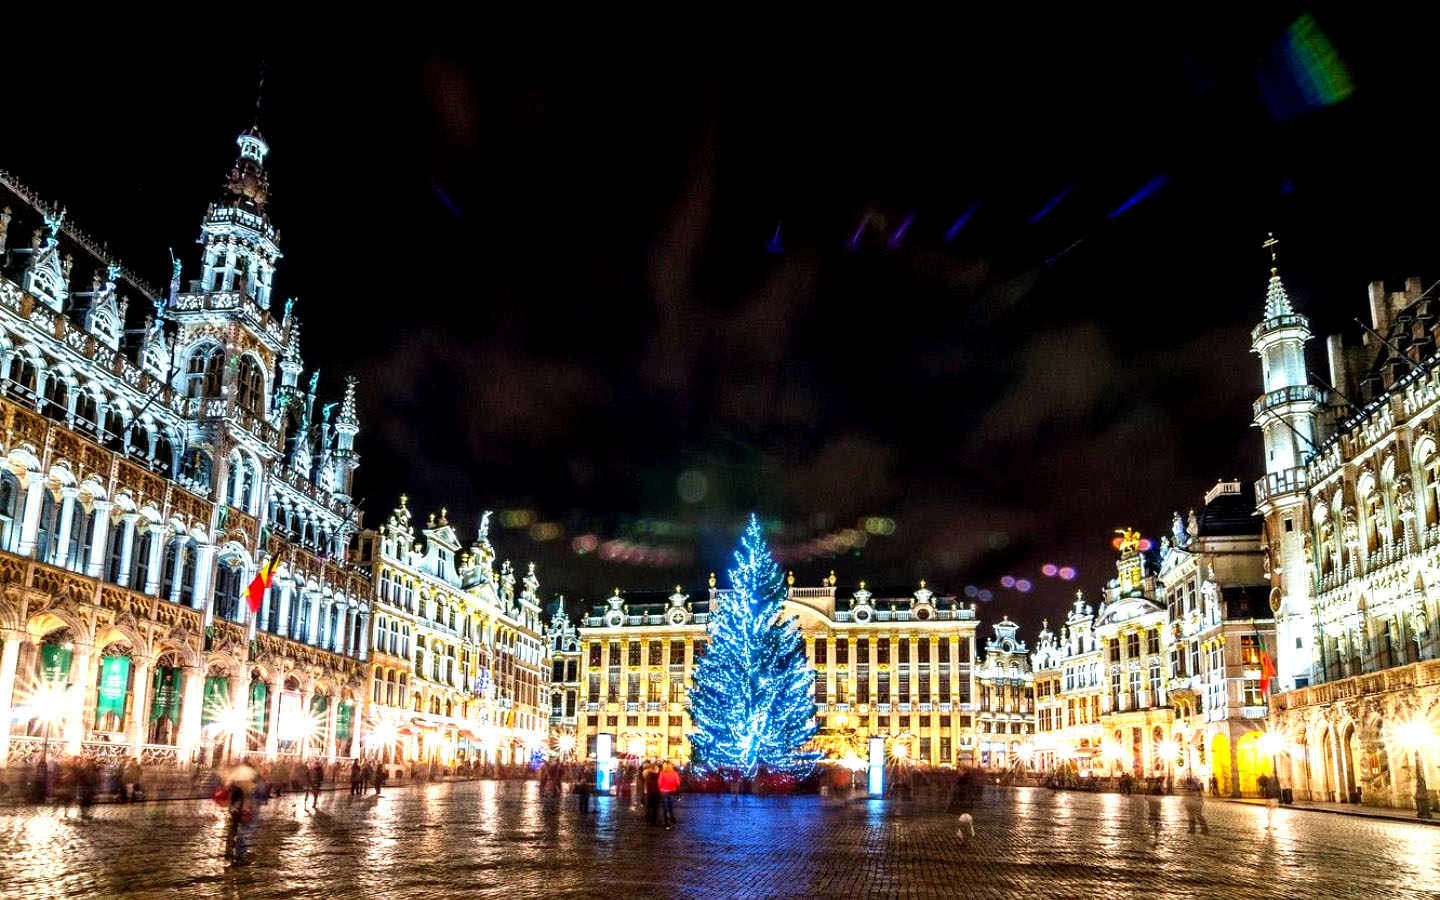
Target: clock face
1275,601
677,617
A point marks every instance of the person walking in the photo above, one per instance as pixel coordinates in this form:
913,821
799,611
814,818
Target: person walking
380,775
651,776
1195,806
584,781
87,777
668,782
317,778
131,777
356,773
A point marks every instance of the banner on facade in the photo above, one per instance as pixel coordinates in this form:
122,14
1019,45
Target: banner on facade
110,700
259,707
292,723
345,721
165,694
217,698
54,664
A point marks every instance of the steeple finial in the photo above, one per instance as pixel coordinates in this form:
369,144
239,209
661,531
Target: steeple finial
348,416
259,95
1277,302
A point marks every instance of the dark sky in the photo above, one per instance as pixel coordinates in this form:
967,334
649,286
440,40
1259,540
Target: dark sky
557,274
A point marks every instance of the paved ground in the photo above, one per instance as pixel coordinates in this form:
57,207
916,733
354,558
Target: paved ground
483,839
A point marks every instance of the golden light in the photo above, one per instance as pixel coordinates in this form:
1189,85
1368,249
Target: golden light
853,762
1169,749
382,733
1270,743
1025,752
1114,750
566,744
48,702
636,747
900,750
841,720
231,720
1414,734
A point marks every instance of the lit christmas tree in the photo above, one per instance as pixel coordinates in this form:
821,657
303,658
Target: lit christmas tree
751,703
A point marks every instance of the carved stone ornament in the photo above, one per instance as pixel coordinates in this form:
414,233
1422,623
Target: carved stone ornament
1349,531
1404,496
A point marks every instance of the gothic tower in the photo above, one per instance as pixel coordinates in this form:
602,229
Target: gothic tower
1285,413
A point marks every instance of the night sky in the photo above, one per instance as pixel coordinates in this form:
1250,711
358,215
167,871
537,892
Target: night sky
559,277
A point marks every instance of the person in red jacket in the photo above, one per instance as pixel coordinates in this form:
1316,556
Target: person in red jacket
669,786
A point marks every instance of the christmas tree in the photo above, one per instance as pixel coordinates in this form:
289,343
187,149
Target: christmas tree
751,704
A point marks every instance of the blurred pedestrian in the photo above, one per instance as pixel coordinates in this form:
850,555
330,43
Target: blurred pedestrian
1195,806
131,777
316,779
87,779
356,774
380,775
668,781
651,776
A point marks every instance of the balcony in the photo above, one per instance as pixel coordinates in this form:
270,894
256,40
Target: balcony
1286,481
1300,393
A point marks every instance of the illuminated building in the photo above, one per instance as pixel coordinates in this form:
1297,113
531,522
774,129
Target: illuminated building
461,666
1069,684
1131,629
902,668
1005,715
1215,591
1351,500
565,681
158,446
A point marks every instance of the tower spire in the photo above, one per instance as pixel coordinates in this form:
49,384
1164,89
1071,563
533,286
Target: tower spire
1277,301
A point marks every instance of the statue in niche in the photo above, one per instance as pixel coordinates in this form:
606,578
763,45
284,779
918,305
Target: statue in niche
507,583
485,526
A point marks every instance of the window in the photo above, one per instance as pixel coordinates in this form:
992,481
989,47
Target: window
114,554
882,687
1152,642
822,654
820,687
1250,651
842,651
904,685
9,507
250,385
924,651
1114,649
227,590
904,652
882,652
595,655
862,683
1132,645
46,537
862,651
204,370
634,654
657,649
1251,693
592,691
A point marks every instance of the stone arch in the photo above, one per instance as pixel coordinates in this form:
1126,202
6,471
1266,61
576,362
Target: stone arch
1220,769
50,620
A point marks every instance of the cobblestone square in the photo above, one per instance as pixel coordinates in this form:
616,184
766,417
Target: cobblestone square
495,839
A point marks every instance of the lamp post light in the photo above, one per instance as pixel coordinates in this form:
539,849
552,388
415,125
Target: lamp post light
1414,735
1169,748
1271,744
49,709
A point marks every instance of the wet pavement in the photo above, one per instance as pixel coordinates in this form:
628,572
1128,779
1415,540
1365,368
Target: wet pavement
491,839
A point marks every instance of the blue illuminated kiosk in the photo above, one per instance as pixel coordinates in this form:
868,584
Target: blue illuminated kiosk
605,763
876,780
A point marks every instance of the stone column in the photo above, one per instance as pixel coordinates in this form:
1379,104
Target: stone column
365,638
272,729
356,744
140,710
127,547
312,634
331,711
9,658
307,697
77,697
153,574
95,565
62,535
30,525
240,699
192,694
204,579
282,627
337,640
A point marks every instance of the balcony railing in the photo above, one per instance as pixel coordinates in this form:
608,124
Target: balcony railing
1299,393
1286,481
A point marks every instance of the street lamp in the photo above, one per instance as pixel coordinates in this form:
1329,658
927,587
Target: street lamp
49,704
1169,749
1271,744
566,745
1414,735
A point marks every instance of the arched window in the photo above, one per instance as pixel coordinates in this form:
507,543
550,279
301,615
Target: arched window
87,411
169,562
114,425
57,395
140,551
115,550
28,375
232,479
228,577
164,461
204,371
9,510
82,535
46,533
250,385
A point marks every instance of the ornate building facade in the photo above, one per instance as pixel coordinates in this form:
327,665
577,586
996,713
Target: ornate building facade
1352,528
1131,629
1005,715
902,668
1069,685
151,462
1215,591
460,666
